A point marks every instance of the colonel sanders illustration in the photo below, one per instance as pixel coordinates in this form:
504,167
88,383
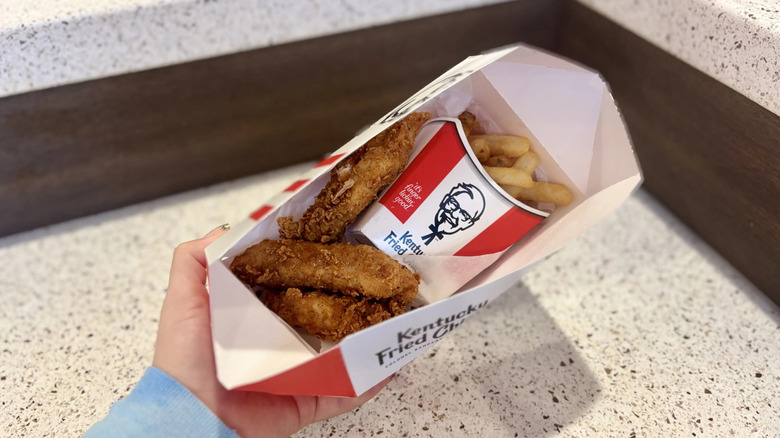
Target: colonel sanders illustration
458,210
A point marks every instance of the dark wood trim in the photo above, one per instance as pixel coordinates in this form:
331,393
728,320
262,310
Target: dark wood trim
711,155
80,149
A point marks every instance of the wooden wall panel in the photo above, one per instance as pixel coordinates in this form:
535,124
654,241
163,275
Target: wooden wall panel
708,153
79,149
711,155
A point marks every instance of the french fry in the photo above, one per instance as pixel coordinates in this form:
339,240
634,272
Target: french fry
513,191
500,161
527,163
551,193
468,121
508,160
480,148
510,145
509,176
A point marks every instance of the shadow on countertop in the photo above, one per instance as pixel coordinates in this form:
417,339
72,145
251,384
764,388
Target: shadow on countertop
507,371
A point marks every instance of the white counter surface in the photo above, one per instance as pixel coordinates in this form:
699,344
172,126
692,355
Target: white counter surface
44,44
66,41
736,42
636,328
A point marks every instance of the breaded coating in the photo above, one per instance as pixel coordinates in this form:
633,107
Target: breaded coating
356,270
355,182
326,316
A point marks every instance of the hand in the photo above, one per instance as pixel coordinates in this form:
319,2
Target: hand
184,351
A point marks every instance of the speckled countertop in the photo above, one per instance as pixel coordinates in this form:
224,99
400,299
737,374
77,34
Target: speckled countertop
636,328
735,41
64,41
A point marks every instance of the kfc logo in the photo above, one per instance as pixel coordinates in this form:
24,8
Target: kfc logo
458,210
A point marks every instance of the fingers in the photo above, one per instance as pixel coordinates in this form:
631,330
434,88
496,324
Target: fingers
328,407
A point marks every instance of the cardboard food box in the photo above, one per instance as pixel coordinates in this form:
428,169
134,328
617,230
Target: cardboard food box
574,126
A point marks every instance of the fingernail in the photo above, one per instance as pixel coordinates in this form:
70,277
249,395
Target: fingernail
222,227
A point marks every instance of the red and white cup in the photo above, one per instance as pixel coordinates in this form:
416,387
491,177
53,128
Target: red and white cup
444,203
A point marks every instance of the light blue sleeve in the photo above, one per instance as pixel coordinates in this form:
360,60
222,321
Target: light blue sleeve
160,407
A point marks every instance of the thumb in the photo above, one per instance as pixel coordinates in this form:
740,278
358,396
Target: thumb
184,317
188,267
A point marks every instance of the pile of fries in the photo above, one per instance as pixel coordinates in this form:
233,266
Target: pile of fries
509,160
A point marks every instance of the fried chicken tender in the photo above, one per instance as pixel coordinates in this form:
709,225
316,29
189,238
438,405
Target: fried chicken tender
354,270
355,182
330,290
326,316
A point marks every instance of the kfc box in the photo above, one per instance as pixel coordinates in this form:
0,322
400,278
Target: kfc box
573,124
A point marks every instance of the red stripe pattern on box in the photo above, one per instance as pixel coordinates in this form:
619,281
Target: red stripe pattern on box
330,160
425,172
502,233
296,185
260,212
